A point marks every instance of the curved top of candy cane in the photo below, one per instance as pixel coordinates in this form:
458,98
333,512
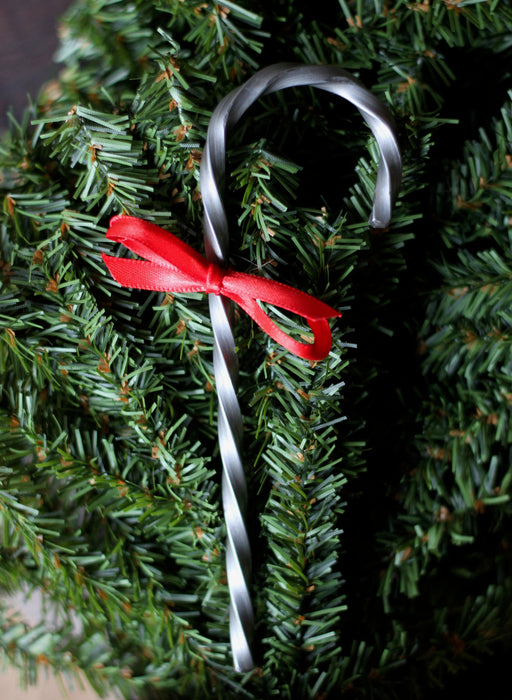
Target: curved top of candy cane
271,79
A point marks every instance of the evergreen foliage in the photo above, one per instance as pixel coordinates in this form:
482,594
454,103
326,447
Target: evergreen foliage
380,478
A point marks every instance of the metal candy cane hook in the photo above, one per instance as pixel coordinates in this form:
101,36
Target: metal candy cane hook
223,120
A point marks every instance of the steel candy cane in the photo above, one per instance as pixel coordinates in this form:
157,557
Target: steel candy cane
223,120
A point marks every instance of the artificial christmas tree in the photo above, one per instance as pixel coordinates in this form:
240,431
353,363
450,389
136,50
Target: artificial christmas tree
379,477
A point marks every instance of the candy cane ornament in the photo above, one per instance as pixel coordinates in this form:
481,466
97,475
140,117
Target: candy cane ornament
216,233
171,265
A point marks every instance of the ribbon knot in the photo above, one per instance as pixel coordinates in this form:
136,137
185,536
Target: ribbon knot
173,266
214,279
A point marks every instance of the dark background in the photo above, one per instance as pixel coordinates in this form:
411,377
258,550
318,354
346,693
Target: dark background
28,39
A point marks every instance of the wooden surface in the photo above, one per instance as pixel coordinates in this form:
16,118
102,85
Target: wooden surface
28,39
48,687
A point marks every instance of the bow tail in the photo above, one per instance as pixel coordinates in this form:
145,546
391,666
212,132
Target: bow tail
314,352
142,274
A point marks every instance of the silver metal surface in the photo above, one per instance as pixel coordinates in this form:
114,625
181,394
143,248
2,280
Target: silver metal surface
223,120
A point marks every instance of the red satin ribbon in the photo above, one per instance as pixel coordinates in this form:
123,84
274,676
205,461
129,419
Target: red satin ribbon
173,266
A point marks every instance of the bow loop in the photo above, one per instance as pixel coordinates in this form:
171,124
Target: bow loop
173,266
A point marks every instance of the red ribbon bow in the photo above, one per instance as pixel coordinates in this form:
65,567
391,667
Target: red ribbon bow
173,266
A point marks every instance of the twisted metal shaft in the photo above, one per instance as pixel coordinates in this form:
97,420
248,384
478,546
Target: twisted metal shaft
223,120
